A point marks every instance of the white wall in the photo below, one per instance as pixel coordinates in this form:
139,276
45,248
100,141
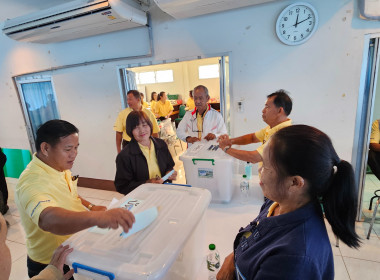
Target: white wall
322,74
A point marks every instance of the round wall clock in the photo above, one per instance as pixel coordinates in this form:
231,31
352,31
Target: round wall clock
297,23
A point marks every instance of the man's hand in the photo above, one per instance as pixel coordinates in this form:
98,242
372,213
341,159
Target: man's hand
98,208
224,141
155,181
227,270
191,140
210,136
59,258
115,217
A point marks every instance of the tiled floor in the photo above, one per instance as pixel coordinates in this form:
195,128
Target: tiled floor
349,263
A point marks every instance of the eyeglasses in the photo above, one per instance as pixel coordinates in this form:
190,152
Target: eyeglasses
194,126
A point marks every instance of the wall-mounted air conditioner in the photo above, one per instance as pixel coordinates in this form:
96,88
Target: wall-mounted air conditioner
190,8
76,19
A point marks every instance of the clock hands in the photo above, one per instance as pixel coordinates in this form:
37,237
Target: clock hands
304,20
295,25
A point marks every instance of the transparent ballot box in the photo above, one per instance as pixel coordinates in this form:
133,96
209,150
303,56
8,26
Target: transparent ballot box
170,247
208,166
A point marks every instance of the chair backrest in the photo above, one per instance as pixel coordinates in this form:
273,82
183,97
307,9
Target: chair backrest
182,111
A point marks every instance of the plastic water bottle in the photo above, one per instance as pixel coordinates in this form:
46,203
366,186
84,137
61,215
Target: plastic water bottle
248,170
244,189
213,262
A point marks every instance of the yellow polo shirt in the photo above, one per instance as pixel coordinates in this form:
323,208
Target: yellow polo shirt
163,109
153,105
375,132
264,134
151,159
120,123
41,186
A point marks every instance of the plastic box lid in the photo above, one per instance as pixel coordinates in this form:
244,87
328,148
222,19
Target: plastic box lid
147,254
204,149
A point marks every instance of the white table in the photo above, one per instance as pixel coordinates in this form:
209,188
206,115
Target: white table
223,221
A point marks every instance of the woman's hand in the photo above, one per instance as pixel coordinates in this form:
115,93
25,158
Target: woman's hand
155,181
59,258
227,270
173,176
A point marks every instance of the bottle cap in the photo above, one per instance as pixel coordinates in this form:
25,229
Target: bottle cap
211,246
244,176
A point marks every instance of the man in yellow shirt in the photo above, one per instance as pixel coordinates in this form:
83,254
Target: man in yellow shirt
47,198
275,113
374,149
163,107
134,104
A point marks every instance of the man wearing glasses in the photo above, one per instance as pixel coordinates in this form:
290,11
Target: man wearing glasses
203,122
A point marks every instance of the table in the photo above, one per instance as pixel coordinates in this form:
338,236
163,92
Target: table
223,221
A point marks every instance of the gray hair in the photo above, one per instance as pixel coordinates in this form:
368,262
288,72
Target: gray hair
201,87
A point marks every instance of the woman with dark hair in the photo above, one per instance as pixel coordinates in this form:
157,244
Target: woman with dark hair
303,180
145,159
163,108
153,101
190,105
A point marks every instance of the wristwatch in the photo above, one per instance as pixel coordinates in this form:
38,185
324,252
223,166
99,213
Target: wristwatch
226,148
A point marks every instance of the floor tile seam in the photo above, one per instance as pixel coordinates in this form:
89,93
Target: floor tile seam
13,261
345,266
356,258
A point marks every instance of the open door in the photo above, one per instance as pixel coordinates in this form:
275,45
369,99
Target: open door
225,90
128,82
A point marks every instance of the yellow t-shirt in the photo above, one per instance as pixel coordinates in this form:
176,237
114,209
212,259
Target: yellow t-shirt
153,105
163,109
375,133
41,186
145,105
151,159
120,123
190,105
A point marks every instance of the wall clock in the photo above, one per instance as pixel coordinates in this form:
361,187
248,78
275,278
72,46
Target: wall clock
297,23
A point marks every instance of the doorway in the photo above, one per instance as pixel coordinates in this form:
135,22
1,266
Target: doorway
368,112
178,78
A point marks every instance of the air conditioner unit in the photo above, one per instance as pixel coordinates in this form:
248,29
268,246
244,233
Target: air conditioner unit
190,8
75,19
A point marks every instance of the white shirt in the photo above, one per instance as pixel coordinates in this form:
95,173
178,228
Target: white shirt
212,123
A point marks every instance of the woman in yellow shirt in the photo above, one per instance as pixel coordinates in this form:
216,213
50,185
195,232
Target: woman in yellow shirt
163,108
190,105
145,159
153,101
144,105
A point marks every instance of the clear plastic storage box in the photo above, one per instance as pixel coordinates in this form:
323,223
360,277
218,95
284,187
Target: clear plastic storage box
171,247
208,166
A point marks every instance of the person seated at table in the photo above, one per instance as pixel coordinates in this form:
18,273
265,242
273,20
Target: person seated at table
163,107
303,180
203,122
153,101
144,104
190,105
145,159
54,271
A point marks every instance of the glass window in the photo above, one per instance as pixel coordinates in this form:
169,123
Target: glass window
208,71
164,76
146,78
39,102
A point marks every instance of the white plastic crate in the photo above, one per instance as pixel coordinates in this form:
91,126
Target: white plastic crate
207,166
169,248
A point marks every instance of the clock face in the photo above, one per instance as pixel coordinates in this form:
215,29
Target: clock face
296,23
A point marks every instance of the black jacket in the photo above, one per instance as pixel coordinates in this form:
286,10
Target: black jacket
132,167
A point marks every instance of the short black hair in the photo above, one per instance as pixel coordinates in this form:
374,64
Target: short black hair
51,132
134,118
135,93
282,99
